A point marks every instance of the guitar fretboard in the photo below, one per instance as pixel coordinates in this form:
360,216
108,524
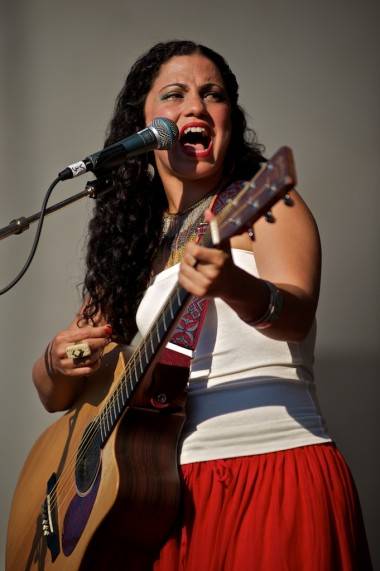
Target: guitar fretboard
140,361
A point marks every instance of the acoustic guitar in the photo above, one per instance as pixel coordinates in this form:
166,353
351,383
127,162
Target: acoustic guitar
100,489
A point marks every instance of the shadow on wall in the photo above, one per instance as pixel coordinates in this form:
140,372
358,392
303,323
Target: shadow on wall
349,393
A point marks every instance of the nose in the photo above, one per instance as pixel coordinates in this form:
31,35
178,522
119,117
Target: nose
195,105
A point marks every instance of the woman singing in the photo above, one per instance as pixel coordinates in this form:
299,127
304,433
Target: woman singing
264,486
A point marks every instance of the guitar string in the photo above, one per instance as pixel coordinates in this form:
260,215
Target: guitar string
111,404
109,411
65,480
66,484
52,493
127,368
139,355
85,444
98,419
104,413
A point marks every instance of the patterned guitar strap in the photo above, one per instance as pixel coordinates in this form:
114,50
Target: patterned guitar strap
181,347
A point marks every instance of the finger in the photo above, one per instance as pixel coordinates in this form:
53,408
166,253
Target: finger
95,345
203,274
209,215
194,280
89,332
207,255
189,259
83,371
69,364
87,361
193,286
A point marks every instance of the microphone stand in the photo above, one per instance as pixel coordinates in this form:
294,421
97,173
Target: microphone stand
93,189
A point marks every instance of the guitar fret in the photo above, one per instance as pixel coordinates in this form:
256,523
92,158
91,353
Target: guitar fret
171,309
109,415
148,349
136,375
161,329
105,423
151,343
132,370
121,391
118,400
158,333
122,395
101,428
126,389
114,411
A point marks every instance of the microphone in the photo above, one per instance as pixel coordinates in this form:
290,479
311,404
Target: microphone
161,134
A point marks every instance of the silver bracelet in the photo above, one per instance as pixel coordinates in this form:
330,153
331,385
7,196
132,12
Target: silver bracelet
276,303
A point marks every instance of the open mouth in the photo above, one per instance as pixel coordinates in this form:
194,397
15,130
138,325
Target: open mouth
196,140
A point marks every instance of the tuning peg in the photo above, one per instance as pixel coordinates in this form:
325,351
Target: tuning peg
269,217
288,200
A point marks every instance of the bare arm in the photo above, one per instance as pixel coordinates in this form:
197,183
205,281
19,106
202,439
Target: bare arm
58,379
287,253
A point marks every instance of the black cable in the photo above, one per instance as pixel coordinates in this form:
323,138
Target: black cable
36,239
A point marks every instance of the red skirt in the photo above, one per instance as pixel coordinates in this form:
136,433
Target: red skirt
292,510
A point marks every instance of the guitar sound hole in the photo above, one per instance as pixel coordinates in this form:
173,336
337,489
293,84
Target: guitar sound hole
88,459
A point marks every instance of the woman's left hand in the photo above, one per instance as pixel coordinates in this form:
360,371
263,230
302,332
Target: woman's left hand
205,272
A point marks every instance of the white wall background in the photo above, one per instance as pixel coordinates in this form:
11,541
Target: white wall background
308,73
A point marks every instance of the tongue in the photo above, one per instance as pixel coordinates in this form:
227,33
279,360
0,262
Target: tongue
195,146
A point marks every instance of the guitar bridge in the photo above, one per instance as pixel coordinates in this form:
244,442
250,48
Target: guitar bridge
49,518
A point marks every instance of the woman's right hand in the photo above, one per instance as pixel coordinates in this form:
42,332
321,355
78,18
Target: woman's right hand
58,362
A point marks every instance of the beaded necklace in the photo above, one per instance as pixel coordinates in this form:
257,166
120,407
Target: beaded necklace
178,229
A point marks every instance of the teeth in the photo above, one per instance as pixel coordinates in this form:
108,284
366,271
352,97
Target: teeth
195,130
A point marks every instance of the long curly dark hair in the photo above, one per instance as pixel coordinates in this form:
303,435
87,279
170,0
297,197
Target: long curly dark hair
125,228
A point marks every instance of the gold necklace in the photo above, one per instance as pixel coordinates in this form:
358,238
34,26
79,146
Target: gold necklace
183,222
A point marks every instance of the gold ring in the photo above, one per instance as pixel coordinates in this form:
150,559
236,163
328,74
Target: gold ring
78,350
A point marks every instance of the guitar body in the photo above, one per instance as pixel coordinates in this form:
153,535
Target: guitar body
130,501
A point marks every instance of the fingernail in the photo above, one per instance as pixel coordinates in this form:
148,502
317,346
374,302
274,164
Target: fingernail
108,329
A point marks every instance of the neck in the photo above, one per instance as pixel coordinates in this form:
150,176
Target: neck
182,194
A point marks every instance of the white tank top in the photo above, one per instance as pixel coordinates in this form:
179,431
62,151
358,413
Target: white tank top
248,394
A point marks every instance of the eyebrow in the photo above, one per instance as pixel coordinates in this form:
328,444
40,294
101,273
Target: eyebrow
185,87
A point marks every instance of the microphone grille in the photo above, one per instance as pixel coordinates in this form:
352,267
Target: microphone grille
167,132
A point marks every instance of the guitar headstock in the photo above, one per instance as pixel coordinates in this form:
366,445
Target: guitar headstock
274,180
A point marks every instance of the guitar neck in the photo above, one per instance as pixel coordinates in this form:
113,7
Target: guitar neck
141,359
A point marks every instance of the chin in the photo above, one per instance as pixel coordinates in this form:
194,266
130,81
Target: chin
201,172
197,169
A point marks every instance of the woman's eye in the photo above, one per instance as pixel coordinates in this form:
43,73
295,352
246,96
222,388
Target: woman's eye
171,95
215,96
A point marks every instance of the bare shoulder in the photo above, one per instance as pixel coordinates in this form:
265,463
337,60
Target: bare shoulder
289,221
288,250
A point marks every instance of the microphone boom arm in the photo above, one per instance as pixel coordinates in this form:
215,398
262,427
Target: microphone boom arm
92,190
